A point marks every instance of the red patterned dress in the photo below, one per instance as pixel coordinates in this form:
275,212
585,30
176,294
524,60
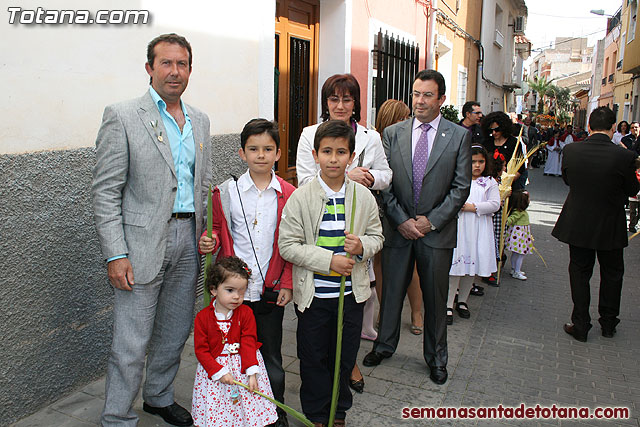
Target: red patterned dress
229,346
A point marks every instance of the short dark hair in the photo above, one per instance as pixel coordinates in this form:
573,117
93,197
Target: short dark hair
620,125
224,268
335,129
171,38
602,119
488,164
341,83
258,127
501,119
468,108
435,76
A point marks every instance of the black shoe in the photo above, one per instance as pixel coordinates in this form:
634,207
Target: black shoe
374,358
477,291
632,230
478,287
463,310
570,328
608,333
491,281
357,385
439,375
173,414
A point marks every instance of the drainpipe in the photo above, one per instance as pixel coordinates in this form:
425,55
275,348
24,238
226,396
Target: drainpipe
431,36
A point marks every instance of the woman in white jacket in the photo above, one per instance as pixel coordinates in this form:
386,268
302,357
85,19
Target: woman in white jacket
341,101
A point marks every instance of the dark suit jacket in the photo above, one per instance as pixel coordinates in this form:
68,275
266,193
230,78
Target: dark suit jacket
445,186
600,176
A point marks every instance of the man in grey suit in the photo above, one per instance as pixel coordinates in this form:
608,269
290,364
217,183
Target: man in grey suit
431,162
150,184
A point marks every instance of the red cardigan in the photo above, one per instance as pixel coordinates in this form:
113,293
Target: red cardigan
224,239
207,338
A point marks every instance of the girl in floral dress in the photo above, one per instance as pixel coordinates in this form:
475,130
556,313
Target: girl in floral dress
519,239
226,347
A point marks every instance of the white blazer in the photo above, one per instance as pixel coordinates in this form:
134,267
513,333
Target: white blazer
367,140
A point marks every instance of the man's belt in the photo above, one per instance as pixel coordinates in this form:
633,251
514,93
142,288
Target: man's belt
182,215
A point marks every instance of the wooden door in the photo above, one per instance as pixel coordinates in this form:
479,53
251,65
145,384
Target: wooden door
296,76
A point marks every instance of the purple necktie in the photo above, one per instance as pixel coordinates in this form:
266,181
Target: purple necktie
420,157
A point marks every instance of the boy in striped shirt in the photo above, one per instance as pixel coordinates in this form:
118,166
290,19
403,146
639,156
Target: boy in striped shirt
315,237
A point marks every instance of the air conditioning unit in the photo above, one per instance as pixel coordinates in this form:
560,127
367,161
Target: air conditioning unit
518,26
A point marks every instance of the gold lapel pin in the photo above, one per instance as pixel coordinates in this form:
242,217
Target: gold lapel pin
160,138
201,146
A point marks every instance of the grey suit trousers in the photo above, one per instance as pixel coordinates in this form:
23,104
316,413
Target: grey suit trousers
433,267
156,316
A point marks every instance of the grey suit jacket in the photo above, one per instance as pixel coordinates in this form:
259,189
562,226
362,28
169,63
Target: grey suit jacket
135,183
445,186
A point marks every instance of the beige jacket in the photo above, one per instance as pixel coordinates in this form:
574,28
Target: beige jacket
299,230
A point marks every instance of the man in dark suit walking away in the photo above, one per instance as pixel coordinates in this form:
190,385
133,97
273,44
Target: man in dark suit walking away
600,176
431,162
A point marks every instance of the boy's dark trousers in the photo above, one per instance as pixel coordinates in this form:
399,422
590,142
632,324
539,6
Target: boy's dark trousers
316,336
269,331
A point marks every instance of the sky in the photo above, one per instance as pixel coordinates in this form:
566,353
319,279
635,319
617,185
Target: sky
549,19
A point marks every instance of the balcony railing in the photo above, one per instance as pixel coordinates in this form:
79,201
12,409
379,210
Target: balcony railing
610,78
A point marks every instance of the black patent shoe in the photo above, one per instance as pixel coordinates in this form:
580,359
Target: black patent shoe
173,414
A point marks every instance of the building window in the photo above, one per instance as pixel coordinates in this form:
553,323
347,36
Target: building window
633,12
395,64
462,87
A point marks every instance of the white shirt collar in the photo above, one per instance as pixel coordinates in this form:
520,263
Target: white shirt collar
434,123
220,316
245,182
329,191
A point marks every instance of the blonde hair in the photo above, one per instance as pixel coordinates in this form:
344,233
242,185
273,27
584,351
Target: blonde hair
391,111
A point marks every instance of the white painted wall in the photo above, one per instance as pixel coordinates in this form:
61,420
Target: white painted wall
334,44
59,78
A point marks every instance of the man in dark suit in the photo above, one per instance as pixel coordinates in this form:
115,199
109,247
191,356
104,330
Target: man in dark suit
600,177
472,114
632,141
150,185
431,162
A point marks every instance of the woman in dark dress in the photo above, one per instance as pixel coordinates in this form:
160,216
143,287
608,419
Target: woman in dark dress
500,142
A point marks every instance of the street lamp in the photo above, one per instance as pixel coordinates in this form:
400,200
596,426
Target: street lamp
600,12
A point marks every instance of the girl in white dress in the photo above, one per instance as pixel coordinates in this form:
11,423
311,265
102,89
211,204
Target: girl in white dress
475,253
226,346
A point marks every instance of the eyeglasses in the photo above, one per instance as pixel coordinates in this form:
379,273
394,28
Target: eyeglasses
419,95
476,112
334,99
495,129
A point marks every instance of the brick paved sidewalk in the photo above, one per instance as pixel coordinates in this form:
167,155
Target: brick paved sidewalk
511,351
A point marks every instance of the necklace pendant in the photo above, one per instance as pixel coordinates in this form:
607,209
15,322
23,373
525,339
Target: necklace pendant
255,222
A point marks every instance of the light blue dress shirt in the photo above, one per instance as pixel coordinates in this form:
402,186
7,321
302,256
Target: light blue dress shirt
183,151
